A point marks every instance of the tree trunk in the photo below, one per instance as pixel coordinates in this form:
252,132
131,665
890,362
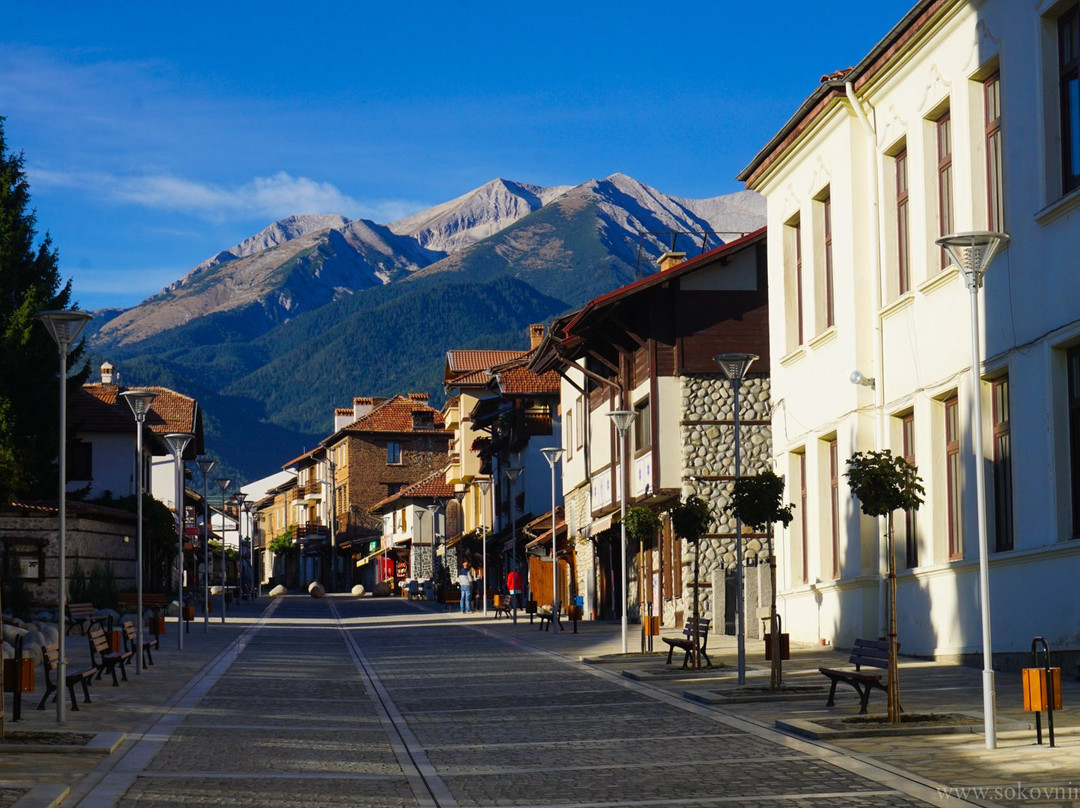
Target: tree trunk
893,688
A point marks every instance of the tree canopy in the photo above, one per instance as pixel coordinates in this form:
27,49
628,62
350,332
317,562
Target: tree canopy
29,396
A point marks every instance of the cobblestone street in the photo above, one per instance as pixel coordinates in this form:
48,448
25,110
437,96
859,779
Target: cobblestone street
379,702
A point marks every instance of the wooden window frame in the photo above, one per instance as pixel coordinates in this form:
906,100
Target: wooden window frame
1073,366
1069,90
1002,459
995,183
643,425
911,536
903,222
953,483
834,506
943,139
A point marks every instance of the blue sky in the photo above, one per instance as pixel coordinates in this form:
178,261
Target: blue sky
156,135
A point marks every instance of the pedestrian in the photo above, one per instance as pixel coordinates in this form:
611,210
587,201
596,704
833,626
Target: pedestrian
514,586
465,581
478,588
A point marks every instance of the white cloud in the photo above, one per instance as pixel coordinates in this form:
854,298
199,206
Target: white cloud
273,197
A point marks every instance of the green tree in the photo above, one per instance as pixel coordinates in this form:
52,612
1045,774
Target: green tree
690,518
29,396
758,500
884,483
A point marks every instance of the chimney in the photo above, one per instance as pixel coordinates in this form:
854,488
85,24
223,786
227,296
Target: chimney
361,406
106,372
536,335
670,259
418,396
343,416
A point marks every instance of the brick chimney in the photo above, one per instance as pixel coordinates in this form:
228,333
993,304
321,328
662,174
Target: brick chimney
418,396
362,405
670,259
536,335
106,372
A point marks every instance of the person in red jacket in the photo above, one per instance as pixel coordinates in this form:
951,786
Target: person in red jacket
515,586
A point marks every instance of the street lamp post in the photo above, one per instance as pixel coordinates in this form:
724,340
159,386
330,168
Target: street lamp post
178,441
240,499
139,401
735,366
512,473
248,505
622,420
552,456
485,487
206,464
972,253
223,484
64,326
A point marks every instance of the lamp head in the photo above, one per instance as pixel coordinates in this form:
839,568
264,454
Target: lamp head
972,252
735,365
178,441
64,325
622,419
139,401
857,377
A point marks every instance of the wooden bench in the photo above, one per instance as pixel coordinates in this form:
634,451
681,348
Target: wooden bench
869,653
131,639
502,606
104,658
686,642
50,655
545,613
81,615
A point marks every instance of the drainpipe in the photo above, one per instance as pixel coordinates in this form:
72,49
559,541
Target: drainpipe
879,372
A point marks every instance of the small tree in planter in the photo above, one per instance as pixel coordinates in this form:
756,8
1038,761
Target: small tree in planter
884,483
642,523
690,519
758,502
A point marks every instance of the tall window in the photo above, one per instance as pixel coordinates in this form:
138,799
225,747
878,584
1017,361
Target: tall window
803,538
1074,434
903,231
393,452
911,537
796,234
642,426
834,502
952,476
579,408
1069,72
995,188
943,129
826,214
569,434
1003,506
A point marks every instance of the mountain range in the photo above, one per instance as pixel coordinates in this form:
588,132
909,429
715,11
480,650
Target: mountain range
274,332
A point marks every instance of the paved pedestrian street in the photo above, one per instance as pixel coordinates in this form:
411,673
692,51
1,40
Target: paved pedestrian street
380,702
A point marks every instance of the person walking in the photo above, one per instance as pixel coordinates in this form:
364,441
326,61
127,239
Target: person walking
514,587
465,581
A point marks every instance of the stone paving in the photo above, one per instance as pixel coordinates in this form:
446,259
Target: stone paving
380,702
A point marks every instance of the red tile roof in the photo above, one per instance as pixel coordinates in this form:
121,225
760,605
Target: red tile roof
433,487
464,361
396,415
100,408
518,380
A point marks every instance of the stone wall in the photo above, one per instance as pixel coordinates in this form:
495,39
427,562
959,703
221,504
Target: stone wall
708,468
101,536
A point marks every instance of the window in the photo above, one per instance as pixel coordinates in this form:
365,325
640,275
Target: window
1073,359
903,230
569,434
393,453
911,537
803,539
798,283
579,407
80,460
826,214
952,477
1069,80
793,285
834,502
642,426
943,136
1003,507
995,191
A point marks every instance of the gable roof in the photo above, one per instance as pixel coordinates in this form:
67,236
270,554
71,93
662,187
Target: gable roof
101,408
431,487
395,415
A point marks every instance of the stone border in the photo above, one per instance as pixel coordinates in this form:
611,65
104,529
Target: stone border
734,697
103,743
811,729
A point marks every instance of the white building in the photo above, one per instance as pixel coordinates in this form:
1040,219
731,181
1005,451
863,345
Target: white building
965,117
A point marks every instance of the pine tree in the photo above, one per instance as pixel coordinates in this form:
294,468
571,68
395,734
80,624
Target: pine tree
29,396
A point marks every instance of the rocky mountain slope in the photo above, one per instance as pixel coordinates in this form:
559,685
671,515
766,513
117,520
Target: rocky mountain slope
273,333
